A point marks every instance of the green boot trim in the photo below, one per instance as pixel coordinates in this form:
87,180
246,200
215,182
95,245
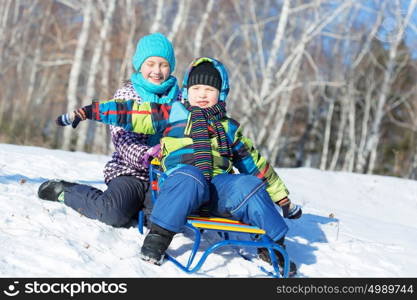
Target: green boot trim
61,197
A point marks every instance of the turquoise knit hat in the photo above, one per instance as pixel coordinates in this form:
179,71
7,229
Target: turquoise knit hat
155,44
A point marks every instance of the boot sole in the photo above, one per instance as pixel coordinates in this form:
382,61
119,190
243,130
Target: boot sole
152,260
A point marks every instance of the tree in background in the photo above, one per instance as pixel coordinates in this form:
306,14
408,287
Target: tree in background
319,83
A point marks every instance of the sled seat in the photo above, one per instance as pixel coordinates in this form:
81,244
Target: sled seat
223,226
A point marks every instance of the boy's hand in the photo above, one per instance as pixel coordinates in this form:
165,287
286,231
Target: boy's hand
289,209
75,117
292,211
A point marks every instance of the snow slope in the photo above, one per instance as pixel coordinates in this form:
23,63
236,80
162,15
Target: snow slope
353,226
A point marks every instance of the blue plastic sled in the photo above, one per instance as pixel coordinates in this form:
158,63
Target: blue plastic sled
223,227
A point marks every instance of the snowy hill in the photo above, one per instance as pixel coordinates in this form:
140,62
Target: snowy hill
353,225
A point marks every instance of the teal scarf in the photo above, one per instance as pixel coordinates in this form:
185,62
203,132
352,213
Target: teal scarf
164,93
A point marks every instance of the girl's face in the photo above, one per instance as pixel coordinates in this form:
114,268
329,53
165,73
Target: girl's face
155,69
202,95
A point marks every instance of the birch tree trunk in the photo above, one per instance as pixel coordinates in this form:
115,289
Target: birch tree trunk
273,142
129,25
4,14
270,65
300,152
412,171
76,71
156,26
361,159
33,99
292,61
37,55
16,10
198,41
350,154
340,133
373,141
101,138
276,45
32,66
180,19
25,46
90,90
326,139
24,36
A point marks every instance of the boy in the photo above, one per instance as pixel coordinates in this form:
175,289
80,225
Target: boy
200,146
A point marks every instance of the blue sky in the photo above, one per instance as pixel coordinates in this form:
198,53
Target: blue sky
390,24
364,16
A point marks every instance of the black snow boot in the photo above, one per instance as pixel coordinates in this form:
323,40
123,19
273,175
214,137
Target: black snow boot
51,189
156,243
263,254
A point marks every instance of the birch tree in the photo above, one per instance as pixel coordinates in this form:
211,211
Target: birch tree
288,82
129,25
94,67
310,80
374,137
198,40
102,134
327,129
34,37
180,20
276,46
156,25
4,16
76,69
37,56
349,159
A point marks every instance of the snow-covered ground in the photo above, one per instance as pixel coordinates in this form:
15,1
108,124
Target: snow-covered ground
353,226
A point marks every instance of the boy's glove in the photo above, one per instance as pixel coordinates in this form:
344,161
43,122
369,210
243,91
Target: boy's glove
289,209
150,154
292,211
75,117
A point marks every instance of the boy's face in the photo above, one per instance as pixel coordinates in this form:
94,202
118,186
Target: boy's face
202,95
155,69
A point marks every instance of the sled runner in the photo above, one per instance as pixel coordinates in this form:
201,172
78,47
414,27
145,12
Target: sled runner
223,226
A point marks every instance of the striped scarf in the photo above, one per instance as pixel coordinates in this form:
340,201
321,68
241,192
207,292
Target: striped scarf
201,118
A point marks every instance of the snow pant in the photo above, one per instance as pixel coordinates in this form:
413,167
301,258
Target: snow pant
235,196
116,206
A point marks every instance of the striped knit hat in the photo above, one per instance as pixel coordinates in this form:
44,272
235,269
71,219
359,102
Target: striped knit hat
155,44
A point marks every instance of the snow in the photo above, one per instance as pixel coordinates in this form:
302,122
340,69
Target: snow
353,225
